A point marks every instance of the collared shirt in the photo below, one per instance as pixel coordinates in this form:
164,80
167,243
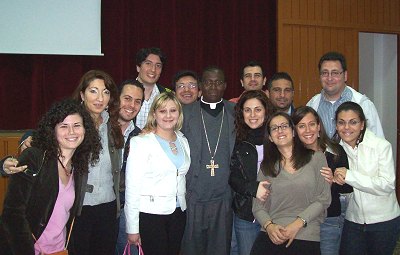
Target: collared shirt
326,110
100,175
128,130
141,118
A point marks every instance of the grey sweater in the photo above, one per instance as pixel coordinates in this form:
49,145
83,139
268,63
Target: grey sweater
305,194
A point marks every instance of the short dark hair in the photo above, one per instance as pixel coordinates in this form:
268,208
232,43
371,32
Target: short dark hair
251,63
279,76
143,53
211,69
333,56
132,82
183,73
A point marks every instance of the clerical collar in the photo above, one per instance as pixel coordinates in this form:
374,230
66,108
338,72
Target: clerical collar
212,108
212,105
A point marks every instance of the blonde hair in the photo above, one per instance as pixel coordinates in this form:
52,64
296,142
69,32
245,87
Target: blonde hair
159,102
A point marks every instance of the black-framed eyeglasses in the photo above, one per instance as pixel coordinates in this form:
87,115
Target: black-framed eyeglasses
334,74
282,126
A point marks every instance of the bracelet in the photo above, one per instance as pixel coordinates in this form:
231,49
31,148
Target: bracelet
266,227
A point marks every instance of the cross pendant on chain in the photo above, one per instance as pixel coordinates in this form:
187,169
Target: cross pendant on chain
212,166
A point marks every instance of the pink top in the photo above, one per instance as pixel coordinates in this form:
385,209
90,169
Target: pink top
54,235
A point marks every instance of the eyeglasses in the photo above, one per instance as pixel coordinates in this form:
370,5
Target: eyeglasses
277,90
282,126
209,83
310,125
352,123
334,74
183,86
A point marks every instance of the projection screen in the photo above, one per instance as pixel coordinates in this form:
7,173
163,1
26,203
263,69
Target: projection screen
64,27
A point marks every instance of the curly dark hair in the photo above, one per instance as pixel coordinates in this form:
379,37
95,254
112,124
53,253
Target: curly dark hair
113,104
242,130
44,137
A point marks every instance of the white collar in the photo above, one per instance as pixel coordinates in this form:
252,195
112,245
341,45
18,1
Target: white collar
212,105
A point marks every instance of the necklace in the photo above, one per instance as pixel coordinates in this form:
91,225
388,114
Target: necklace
67,173
171,144
212,164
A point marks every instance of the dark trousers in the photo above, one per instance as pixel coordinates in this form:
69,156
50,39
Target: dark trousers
379,238
263,245
162,234
95,230
208,228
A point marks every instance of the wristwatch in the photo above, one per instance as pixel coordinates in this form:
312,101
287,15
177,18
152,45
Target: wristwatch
303,220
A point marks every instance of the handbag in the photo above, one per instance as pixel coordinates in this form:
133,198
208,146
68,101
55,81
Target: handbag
127,250
63,252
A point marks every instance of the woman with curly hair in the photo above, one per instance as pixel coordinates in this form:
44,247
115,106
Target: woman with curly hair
40,200
95,230
252,111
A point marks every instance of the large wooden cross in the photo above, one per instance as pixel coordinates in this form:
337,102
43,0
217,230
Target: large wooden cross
212,166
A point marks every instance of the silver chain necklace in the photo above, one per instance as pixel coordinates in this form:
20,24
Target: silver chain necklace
212,164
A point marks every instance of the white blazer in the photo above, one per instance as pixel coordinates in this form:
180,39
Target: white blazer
373,177
153,183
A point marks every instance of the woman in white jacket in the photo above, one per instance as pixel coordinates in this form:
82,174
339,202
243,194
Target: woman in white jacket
372,224
155,180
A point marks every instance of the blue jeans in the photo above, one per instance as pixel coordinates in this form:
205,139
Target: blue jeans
246,232
331,232
378,238
123,237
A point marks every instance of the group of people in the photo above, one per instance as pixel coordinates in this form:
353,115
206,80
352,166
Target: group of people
188,172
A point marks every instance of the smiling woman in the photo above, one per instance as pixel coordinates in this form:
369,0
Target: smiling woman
290,217
252,111
96,227
372,174
155,180
49,190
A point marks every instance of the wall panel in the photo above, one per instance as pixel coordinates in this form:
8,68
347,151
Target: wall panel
320,26
8,146
307,29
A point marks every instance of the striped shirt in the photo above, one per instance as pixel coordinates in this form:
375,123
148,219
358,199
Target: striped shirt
326,110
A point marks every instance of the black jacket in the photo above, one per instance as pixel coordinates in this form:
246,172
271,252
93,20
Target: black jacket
334,210
30,201
243,179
